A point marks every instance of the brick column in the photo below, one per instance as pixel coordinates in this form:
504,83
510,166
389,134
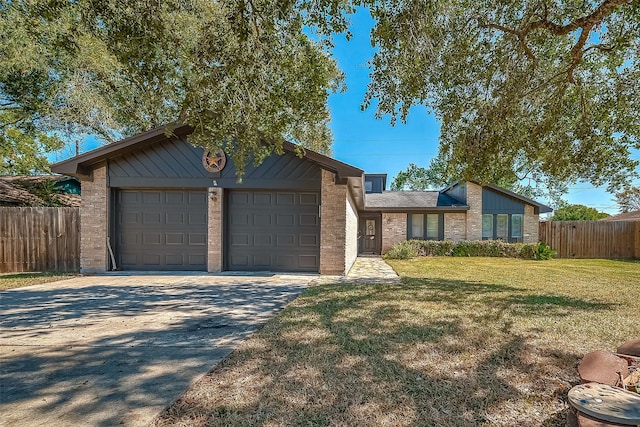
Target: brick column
333,227
530,225
214,225
394,229
94,223
474,214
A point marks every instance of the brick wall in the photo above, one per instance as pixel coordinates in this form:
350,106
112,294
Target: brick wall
394,229
474,214
351,236
332,225
94,223
214,225
455,226
531,220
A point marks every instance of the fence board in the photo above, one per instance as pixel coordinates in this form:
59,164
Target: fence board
39,239
592,239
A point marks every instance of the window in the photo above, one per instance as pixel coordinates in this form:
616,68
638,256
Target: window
368,186
433,226
502,226
417,226
516,226
507,227
487,226
425,226
371,227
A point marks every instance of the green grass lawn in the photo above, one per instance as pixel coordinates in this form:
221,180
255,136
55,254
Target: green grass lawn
462,342
18,280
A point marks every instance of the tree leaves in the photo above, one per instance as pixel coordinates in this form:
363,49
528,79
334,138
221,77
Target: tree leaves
546,85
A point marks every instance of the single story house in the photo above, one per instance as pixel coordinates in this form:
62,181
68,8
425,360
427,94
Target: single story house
155,202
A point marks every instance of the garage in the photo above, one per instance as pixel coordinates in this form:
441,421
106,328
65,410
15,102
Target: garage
161,229
273,231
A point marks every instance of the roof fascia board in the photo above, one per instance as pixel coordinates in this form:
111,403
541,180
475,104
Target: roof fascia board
414,209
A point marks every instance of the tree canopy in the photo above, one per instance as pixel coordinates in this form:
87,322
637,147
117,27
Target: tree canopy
629,199
577,213
544,88
244,74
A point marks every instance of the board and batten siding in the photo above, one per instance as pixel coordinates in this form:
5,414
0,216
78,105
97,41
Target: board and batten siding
178,164
39,239
495,203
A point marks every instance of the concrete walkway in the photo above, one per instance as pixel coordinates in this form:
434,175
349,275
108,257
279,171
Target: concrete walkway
366,270
109,351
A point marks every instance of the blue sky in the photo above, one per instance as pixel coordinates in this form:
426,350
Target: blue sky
373,144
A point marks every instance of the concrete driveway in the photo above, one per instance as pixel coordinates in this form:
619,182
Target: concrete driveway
116,350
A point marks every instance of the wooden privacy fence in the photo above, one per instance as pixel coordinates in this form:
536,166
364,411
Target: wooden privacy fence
592,239
39,239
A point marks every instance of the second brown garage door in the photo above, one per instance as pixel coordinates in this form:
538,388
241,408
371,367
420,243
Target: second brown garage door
273,231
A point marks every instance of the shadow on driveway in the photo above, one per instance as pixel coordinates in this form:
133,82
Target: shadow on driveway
108,351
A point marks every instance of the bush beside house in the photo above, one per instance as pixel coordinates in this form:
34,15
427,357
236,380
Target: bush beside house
470,248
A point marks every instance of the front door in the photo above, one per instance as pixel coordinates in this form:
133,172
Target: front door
369,239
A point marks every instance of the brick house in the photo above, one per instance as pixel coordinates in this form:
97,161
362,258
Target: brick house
155,202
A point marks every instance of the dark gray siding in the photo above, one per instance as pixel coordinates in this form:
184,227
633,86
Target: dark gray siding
458,192
376,184
495,203
179,164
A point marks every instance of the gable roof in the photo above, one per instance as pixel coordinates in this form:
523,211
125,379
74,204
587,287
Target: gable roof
403,201
538,207
80,166
626,216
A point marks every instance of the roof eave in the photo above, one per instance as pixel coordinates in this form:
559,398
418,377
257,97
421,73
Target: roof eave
416,209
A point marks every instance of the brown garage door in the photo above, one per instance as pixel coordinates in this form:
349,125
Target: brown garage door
161,229
273,231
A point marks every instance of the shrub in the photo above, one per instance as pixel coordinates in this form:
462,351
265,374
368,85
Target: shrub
402,250
544,251
469,248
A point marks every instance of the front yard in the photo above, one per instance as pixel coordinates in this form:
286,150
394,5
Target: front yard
463,341
19,280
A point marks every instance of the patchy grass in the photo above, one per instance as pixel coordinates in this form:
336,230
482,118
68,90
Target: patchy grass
18,280
462,342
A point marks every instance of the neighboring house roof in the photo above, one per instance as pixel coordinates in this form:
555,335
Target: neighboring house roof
19,190
627,216
412,200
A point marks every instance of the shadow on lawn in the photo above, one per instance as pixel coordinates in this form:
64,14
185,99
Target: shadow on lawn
377,355
59,366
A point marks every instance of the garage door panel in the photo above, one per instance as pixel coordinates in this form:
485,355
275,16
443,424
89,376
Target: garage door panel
197,218
282,232
262,220
308,261
286,199
151,197
262,240
307,199
161,229
197,239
